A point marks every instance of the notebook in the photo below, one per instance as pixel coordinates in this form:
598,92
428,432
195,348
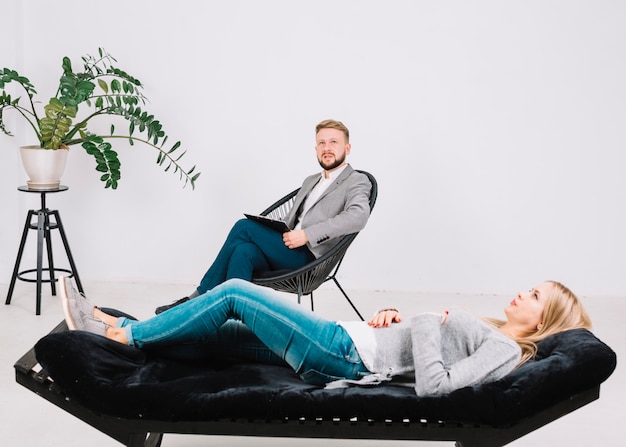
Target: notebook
275,224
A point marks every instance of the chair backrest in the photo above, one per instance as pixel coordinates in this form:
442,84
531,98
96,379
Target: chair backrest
373,190
280,208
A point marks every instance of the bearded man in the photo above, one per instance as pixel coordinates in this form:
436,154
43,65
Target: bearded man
328,206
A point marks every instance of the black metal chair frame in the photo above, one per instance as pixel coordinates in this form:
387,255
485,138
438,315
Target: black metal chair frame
305,280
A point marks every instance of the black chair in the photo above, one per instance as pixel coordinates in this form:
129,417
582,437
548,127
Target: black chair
306,279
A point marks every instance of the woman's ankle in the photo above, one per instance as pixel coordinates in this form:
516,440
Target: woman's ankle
116,334
110,320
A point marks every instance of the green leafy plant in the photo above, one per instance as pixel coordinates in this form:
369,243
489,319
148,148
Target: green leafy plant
102,89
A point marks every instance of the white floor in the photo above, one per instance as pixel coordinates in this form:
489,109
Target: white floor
28,420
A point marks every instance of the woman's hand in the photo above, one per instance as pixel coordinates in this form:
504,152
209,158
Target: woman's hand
385,317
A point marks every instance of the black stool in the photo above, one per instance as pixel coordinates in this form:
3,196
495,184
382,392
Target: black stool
43,227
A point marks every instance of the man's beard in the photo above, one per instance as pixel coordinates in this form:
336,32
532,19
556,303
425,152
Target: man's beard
329,167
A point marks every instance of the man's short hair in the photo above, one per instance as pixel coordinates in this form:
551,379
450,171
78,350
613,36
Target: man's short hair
333,124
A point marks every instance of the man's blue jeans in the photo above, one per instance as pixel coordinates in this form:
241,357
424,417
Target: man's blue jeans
249,247
241,319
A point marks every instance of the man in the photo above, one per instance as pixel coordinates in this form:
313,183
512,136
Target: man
328,206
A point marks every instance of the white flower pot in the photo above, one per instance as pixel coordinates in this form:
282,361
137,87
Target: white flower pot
44,167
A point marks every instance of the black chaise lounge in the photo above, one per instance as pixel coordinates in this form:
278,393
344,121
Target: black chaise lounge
135,397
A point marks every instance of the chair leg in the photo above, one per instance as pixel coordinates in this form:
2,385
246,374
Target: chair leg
48,239
68,252
347,298
20,252
311,295
40,237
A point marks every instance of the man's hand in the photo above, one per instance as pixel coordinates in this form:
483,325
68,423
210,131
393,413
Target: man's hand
295,238
385,317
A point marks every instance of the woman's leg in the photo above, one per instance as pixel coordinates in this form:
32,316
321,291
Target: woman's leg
232,340
317,349
251,246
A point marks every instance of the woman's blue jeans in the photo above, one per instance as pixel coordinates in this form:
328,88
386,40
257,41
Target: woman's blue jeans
249,247
241,319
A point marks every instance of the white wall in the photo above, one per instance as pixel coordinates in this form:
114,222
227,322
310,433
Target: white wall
495,130
11,220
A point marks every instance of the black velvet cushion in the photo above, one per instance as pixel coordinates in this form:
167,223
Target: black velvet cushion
122,381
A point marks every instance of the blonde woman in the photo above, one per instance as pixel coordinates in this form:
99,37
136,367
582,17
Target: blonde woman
435,353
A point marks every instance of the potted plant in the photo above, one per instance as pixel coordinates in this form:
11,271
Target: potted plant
99,89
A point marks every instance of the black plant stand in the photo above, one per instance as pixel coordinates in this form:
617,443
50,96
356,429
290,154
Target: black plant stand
43,226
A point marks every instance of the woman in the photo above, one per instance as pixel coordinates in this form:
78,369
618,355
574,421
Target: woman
434,353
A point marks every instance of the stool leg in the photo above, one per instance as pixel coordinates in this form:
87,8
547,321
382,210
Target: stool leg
46,235
57,216
20,252
40,236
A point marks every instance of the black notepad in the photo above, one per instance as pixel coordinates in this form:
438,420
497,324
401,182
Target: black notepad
275,224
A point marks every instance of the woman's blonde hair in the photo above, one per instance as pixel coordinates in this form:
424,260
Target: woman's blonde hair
563,311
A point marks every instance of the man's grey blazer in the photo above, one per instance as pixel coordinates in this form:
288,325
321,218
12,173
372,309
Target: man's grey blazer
342,209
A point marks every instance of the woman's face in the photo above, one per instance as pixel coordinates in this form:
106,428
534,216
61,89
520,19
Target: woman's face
526,310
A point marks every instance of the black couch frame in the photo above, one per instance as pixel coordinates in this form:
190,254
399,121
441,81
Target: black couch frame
149,433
